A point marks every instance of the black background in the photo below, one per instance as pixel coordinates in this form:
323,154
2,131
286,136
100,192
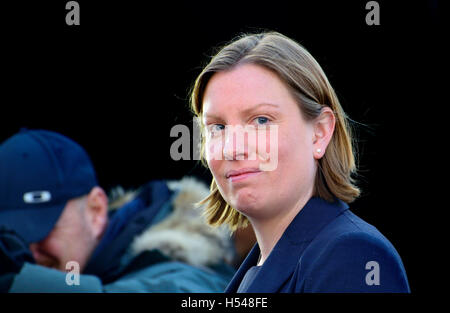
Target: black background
119,82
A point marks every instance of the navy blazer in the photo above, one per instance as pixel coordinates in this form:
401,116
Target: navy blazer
326,248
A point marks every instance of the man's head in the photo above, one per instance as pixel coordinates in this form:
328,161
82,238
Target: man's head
76,233
49,196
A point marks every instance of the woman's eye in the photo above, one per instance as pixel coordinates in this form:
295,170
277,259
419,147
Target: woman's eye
261,120
215,128
218,127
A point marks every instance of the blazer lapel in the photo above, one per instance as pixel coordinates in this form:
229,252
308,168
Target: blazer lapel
250,260
283,260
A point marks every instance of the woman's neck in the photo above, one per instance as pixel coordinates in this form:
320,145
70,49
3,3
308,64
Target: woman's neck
269,230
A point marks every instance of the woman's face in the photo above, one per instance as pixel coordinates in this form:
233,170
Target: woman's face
259,179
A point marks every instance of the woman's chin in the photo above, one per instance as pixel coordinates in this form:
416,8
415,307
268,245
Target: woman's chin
247,207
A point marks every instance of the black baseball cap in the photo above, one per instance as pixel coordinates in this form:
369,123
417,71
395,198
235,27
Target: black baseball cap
40,171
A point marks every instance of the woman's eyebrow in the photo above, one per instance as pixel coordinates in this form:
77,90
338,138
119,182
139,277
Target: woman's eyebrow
259,105
245,111
208,117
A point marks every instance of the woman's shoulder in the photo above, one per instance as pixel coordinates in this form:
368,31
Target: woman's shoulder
349,227
350,236
344,252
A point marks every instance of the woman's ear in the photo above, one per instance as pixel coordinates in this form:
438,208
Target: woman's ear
97,211
323,131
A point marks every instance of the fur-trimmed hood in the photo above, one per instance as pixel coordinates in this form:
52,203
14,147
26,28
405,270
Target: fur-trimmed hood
184,235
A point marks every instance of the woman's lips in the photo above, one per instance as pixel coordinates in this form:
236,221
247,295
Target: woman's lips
239,175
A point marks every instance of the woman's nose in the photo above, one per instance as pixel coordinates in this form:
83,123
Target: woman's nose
234,145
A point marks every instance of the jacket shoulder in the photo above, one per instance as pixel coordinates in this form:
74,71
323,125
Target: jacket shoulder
350,255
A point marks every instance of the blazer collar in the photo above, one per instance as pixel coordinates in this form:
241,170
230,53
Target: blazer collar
284,257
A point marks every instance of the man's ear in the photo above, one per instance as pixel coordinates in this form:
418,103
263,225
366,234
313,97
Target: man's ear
97,209
323,131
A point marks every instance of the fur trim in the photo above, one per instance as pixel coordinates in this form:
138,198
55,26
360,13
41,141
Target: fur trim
184,235
118,197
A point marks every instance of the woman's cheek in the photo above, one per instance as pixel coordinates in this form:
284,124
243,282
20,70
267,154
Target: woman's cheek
215,160
268,148
213,154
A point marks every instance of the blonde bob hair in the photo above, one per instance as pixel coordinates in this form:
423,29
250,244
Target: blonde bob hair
307,82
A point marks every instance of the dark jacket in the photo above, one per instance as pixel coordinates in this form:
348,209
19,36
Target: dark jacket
327,248
157,242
